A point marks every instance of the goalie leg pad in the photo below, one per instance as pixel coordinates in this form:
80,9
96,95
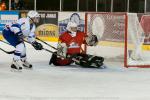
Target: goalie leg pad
97,60
59,61
11,37
89,61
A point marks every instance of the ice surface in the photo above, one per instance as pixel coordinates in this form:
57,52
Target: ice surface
45,82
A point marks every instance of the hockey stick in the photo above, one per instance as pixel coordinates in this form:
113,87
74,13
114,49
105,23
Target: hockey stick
8,52
49,44
46,43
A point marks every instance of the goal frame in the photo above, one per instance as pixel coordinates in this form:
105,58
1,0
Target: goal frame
125,37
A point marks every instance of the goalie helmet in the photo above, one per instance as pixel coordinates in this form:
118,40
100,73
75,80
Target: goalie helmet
34,16
71,25
91,40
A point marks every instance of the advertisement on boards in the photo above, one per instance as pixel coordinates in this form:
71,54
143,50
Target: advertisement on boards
47,28
7,17
65,17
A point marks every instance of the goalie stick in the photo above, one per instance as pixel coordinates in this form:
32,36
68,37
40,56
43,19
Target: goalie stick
7,52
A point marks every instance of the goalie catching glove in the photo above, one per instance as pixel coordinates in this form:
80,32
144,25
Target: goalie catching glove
91,40
37,46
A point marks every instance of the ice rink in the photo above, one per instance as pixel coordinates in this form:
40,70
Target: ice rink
45,82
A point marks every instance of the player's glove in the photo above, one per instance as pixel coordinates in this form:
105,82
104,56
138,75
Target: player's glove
37,46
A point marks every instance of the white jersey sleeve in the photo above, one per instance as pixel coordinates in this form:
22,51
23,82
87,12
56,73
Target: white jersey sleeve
28,29
25,26
31,36
15,29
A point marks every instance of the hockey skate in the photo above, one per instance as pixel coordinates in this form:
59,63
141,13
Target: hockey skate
16,65
26,64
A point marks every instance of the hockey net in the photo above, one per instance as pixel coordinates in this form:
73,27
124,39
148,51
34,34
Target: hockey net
120,38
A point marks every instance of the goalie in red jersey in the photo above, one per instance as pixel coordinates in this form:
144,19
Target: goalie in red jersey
70,47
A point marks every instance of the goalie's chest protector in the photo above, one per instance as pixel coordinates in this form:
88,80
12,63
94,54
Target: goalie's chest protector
73,43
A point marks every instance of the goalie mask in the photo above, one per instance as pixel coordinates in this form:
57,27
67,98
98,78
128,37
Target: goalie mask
91,40
72,27
34,16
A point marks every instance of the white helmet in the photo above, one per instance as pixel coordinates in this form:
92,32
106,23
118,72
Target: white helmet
32,14
71,24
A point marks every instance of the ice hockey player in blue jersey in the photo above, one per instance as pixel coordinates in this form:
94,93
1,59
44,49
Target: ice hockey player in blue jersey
15,33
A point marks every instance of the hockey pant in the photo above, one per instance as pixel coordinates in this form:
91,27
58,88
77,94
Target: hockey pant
20,52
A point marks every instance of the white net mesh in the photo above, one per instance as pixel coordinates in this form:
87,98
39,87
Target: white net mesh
110,29
135,36
136,55
107,26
